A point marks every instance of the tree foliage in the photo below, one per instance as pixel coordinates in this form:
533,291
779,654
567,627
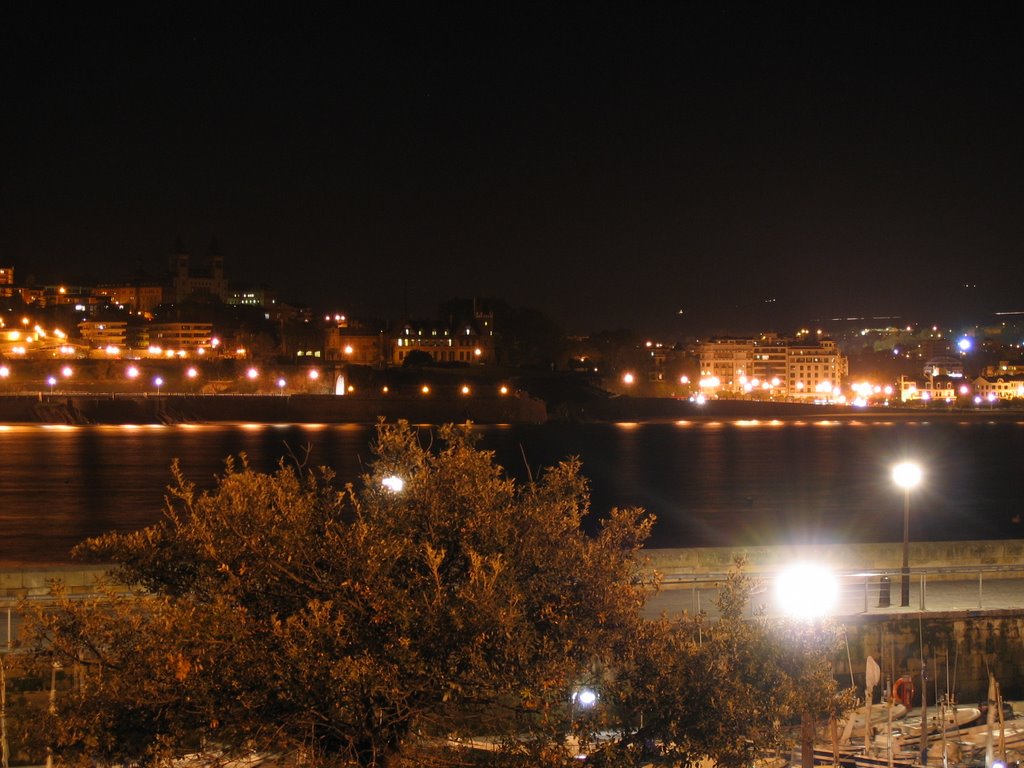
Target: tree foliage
279,613
364,626
724,690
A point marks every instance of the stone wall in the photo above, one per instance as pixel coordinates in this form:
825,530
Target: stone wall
842,557
960,651
296,409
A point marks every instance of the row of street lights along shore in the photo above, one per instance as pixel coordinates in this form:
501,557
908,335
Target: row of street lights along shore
254,376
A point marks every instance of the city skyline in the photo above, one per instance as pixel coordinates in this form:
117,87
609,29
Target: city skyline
669,173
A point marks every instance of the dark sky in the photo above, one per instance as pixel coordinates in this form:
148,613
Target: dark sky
611,169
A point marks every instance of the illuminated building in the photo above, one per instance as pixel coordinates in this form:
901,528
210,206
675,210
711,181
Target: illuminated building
772,367
102,334
1000,387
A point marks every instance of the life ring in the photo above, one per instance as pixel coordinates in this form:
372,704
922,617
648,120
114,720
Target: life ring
903,691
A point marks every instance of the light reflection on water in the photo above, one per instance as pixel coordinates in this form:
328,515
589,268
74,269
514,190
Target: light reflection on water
709,483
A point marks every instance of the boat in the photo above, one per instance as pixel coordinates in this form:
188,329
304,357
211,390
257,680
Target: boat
953,719
880,714
976,737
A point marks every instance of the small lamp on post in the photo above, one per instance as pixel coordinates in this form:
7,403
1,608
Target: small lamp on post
907,475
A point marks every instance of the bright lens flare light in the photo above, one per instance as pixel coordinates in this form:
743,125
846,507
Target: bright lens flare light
585,698
806,591
393,483
906,474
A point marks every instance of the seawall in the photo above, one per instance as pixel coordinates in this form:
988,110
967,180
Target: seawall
297,409
841,557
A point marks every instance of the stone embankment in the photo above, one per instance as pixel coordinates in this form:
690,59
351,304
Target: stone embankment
297,409
521,407
930,555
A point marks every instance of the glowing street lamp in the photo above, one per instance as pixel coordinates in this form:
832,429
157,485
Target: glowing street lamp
806,591
393,483
281,384
52,381
158,382
907,475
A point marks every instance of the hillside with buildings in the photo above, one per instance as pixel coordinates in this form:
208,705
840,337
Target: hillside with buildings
192,330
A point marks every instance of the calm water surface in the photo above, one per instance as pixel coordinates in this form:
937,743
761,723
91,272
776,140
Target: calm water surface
708,483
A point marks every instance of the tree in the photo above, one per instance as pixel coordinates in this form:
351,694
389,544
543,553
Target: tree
417,358
724,691
360,626
383,622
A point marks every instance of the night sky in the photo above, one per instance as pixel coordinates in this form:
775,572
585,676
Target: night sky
702,169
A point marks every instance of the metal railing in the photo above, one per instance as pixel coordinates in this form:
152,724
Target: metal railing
955,588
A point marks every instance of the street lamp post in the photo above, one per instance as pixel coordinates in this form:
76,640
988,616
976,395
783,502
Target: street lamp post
906,474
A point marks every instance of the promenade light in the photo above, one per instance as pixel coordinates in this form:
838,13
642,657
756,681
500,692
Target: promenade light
66,371
907,475
627,378
314,374
806,591
52,381
281,384
158,382
132,372
393,483
584,698
348,349
4,371
253,374
192,372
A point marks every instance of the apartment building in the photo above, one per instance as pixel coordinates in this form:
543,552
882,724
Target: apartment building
771,367
181,336
1007,387
98,334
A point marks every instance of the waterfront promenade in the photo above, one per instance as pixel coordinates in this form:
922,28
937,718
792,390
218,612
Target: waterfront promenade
965,596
